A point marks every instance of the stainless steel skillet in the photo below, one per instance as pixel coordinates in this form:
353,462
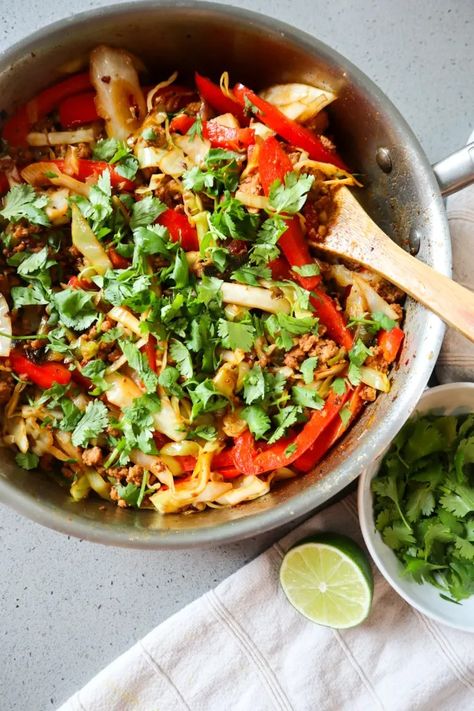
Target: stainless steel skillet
401,194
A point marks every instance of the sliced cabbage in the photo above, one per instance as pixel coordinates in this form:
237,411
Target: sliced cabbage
374,378
84,239
58,206
170,161
254,297
244,488
194,147
60,138
185,493
299,102
5,328
169,421
40,174
119,99
127,319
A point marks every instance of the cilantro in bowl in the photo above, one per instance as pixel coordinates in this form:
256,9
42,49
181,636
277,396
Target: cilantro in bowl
424,502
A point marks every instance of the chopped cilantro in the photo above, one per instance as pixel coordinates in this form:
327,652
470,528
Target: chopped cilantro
148,134
307,270
291,449
137,361
220,173
168,380
23,203
376,322
287,417
254,385
207,432
307,368
196,128
145,212
290,197
114,151
182,358
95,371
307,397
338,386
257,420
92,423
357,357
236,334
424,502
29,460
75,308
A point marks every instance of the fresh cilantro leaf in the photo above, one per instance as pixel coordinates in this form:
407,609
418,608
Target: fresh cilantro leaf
420,501
307,270
196,128
283,327
254,385
182,358
464,548
285,419
98,207
248,274
28,461
456,504
357,357
137,424
145,212
76,308
129,493
236,334
221,173
257,420
93,422
138,362
374,323
114,151
307,397
70,415
209,289
250,108
398,535
180,273
307,368
345,415
95,371
207,432
168,380
271,230
290,197
32,295
338,386
23,203
206,398
231,220
35,264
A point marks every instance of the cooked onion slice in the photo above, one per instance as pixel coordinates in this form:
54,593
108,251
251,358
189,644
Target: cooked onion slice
254,297
119,100
5,328
299,102
60,138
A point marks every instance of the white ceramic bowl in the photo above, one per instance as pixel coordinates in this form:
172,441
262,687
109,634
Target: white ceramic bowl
450,399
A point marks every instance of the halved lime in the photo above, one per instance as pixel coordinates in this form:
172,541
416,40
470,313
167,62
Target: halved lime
328,579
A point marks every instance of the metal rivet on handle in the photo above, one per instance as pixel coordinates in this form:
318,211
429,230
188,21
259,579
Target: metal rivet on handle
384,159
414,241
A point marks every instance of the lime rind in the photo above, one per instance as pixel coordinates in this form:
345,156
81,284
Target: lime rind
328,585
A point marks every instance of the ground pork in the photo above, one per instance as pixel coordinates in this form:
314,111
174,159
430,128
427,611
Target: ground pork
7,384
92,456
310,345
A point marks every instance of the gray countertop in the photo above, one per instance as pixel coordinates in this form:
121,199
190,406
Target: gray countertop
69,607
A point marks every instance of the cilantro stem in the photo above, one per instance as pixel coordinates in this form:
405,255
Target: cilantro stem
142,488
111,458
23,338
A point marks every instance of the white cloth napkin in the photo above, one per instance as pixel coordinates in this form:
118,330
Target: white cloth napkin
242,647
456,360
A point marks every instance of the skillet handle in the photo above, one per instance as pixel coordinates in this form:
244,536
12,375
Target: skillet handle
456,171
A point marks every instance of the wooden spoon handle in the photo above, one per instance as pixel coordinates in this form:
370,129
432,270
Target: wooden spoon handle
449,300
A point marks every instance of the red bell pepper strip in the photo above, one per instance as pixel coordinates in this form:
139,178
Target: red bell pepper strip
76,283
325,309
118,262
331,434
181,123
232,139
294,133
17,127
78,109
274,164
150,352
81,380
180,229
213,95
94,169
280,269
390,342
44,375
249,460
230,473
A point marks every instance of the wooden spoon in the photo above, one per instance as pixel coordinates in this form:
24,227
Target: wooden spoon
352,234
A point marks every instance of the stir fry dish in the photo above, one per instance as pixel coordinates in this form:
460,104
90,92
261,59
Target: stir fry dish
170,337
